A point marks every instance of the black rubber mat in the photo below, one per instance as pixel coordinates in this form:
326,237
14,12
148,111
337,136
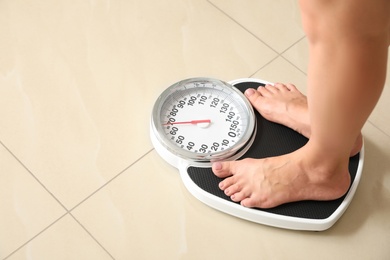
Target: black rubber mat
272,140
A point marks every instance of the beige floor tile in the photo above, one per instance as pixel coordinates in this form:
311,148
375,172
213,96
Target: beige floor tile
280,70
146,213
298,55
77,84
141,210
78,79
277,23
26,207
65,240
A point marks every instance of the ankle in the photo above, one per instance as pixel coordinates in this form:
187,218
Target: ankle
322,165
326,179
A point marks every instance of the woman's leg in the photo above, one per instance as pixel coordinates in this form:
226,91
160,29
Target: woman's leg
286,105
348,54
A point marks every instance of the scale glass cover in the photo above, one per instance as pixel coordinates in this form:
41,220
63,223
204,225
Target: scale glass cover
201,120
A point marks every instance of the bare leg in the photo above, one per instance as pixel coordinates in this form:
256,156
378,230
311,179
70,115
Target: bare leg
286,105
348,43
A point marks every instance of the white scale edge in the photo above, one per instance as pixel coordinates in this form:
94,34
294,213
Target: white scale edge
250,214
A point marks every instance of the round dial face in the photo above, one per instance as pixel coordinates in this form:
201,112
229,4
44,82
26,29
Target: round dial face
202,119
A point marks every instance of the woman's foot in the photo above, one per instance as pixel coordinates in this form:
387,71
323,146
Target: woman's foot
266,183
284,104
269,182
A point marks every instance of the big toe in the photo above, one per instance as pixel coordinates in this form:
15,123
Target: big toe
222,169
253,96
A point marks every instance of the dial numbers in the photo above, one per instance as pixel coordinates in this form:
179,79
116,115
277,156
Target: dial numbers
203,118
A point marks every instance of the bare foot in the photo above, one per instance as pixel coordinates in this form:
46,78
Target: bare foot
266,183
284,104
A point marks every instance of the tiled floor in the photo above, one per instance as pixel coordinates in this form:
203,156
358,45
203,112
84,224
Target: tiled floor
79,178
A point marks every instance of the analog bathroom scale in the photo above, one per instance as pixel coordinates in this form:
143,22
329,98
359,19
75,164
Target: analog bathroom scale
201,120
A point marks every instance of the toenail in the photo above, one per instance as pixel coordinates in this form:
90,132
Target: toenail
221,185
249,92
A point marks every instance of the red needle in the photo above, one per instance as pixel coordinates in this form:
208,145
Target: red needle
193,122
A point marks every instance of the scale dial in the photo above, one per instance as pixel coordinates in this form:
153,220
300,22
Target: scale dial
202,120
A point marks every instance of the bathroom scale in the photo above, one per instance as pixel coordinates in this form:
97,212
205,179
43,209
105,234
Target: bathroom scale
198,121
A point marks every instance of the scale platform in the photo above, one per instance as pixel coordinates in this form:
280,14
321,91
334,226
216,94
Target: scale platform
272,140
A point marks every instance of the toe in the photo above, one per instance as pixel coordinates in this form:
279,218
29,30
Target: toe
227,183
239,196
232,189
222,169
291,87
279,86
254,201
284,87
265,91
270,88
250,92
248,202
255,97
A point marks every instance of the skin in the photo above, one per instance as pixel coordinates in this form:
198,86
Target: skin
285,104
348,47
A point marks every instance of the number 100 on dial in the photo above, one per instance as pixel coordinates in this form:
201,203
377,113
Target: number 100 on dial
202,120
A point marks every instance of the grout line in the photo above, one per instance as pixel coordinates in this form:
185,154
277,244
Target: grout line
31,239
59,202
101,187
278,54
109,181
254,35
32,174
295,43
281,56
219,9
86,230
67,211
262,67
379,129
295,66
292,45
